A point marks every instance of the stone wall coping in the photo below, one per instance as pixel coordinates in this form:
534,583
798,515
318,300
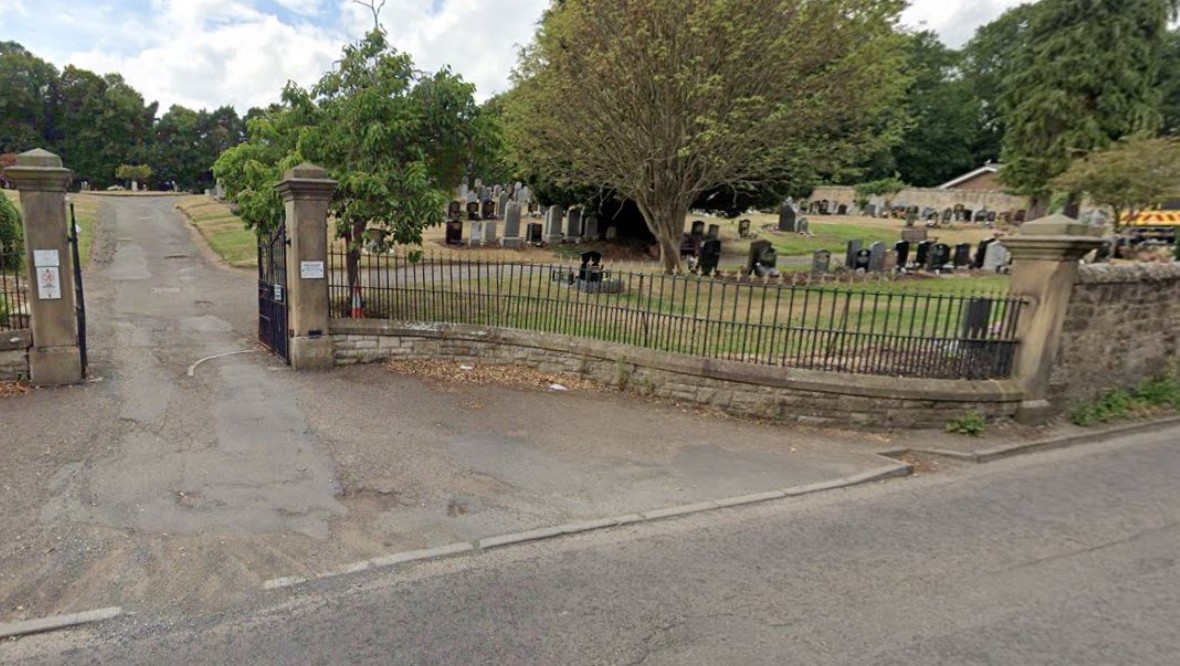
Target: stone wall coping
20,339
873,386
1128,273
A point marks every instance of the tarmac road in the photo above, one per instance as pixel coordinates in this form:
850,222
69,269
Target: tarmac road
1061,558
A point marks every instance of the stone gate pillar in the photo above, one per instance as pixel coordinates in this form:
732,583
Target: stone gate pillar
1044,266
55,358
306,190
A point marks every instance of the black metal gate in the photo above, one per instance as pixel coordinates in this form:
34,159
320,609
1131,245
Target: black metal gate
79,293
272,291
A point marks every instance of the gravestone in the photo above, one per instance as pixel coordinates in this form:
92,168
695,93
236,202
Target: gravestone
502,206
553,219
922,255
911,215
710,256
454,232
454,210
763,260
511,226
714,231
786,218
996,259
591,268
862,260
573,226
842,209
534,207
915,234
473,211
877,257
471,197
821,262
962,256
947,214
476,237
496,191
981,253
590,227
902,250
850,251
489,233
980,215
743,228
612,233
463,191
489,210
534,233
698,229
803,226
870,210
940,256
524,196
1019,217
991,216
968,214
1104,252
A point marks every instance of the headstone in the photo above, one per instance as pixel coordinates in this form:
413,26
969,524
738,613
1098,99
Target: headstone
862,260
1104,252
573,226
473,211
454,210
688,246
763,259
991,216
902,250
511,226
454,232
968,214
786,218
911,215
821,262
502,206
714,231
877,257
947,214
463,191
922,254
981,253
478,185
590,227
524,196
472,197
850,251
534,233
553,218
489,210
710,256
842,209
489,233
803,225
612,233
497,190
980,215
743,228
476,237
871,210
996,259
962,256
534,207
914,234
940,256
591,269
698,229
1019,217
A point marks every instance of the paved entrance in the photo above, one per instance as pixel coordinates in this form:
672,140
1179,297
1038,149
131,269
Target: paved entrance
187,473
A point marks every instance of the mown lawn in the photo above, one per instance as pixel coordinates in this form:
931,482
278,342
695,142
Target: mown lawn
222,230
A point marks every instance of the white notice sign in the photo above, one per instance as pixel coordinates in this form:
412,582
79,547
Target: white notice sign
46,258
49,283
311,270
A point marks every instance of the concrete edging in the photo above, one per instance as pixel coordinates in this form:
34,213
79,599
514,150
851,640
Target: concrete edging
883,473
56,622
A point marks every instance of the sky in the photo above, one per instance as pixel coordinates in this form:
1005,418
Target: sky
206,53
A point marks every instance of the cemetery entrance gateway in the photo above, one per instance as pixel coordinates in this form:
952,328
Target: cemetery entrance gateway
272,291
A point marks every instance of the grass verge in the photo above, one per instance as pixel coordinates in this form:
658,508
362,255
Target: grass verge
222,230
1153,397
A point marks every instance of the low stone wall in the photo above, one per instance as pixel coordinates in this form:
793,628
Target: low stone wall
779,394
14,354
931,198
1121,327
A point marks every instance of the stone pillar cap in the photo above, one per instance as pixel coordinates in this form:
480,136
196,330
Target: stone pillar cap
39,170
306,180
306,171
1055,225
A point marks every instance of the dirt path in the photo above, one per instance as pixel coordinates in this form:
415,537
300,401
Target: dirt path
169,493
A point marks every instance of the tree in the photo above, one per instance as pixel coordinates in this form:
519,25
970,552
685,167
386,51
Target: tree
27,99
661,101
887,188
136,173
396,140
1132,175
11,236
1085,77
1169,86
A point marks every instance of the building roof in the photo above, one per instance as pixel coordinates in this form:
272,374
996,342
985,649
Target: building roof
981,171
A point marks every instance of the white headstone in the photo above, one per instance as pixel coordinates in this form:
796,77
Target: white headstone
996,258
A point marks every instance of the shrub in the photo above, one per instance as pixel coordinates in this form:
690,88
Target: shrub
12,245
970,424
1153,395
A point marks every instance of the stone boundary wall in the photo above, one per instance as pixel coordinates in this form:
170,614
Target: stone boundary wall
1122,326
14,354
929,197
777,394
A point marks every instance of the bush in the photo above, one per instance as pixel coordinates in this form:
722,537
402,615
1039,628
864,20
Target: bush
970,424
1149,397
12,245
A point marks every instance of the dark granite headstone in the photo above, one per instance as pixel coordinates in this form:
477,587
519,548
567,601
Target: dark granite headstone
922,255
743,228
850,251
786,218
902,250
981,252
962,256
534,233
763,260
940,255
821,262
698,229
710,256
454,232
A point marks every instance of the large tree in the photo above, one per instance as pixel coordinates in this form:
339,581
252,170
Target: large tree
1085,77
28,92
1130,176
660,101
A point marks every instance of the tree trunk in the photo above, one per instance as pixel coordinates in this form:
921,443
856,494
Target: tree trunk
352,267
665,219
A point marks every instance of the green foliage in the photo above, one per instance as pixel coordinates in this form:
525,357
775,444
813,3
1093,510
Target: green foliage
1083,76
136,172
1136,173
885,187
971,424
187,143
11,236
661,101
1169,85
1153,395
3,311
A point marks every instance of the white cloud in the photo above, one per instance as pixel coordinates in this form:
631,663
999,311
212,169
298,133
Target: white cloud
956,21
13,7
